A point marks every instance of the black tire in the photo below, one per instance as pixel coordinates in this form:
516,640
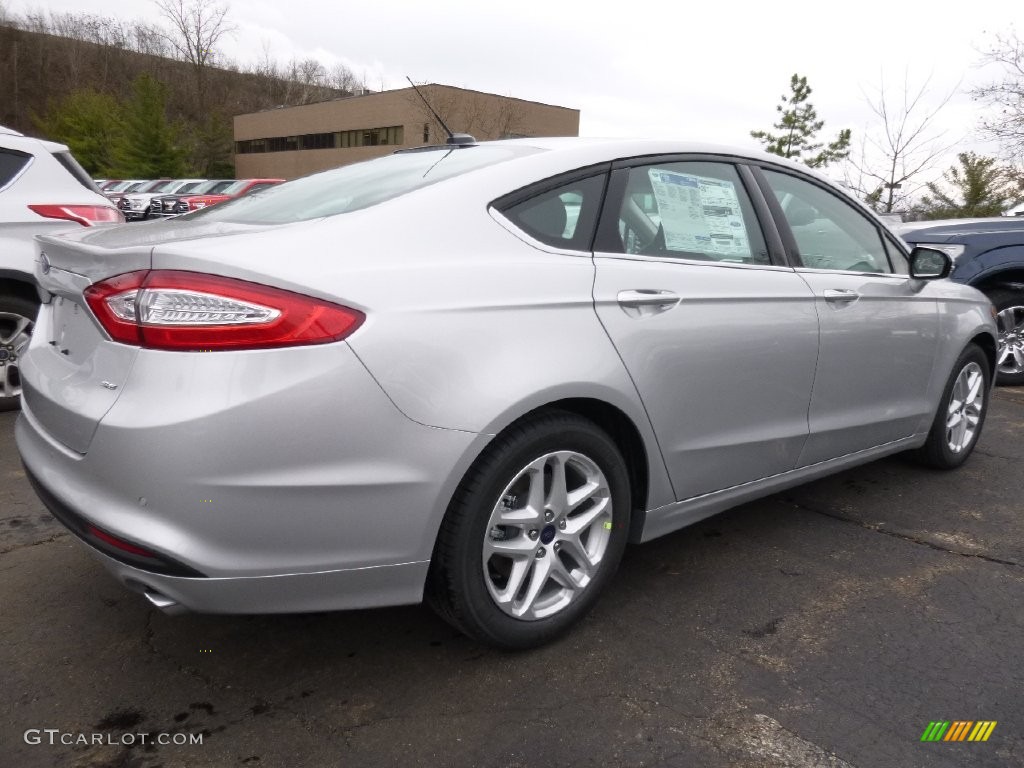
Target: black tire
936,452
22,307
456,583
1003,299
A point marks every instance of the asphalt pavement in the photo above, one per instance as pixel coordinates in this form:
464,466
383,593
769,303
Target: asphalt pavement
825,626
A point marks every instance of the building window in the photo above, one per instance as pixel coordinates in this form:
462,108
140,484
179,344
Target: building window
369,137
318,141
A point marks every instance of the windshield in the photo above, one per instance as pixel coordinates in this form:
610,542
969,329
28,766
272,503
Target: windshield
234,187
189,187
215,187
360,185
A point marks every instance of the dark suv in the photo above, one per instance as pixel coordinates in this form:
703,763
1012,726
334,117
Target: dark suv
989,255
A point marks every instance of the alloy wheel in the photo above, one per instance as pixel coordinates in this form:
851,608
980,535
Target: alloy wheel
15,333
1011,340
963,414
547,535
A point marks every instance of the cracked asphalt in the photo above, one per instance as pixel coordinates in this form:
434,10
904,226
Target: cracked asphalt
825,626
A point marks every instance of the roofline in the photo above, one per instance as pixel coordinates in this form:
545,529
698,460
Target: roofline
407,88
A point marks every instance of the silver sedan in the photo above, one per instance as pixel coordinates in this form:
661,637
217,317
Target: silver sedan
474,373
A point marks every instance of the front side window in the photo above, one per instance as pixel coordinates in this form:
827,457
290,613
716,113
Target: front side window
829,232
690,210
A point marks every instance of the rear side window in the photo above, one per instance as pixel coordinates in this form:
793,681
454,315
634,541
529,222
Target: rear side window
563,217
71,166
357,186
12,163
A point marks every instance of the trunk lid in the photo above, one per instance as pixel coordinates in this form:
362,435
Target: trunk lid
72,373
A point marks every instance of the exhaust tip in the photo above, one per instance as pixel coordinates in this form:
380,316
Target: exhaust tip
166,604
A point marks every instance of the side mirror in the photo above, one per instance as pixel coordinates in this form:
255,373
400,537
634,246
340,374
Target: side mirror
929,263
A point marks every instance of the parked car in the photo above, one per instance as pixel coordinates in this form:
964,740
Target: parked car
989,255
175,205
163,206
114,191
136,205
409,377
42,189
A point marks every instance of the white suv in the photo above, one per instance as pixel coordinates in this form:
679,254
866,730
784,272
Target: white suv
43,190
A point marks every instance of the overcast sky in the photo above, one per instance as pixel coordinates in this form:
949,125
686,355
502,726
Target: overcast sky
709,70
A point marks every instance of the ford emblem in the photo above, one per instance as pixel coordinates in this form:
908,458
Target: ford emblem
44,263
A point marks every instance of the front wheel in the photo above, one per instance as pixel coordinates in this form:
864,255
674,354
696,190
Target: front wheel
961,413
1010,319
534,533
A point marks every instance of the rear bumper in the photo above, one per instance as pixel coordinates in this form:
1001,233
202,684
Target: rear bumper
302,491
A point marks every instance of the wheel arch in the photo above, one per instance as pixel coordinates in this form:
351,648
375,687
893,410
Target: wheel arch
1009,277
18,284
628,427
988,346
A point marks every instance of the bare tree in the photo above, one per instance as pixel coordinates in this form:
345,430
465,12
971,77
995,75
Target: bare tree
1005,95
484,115
903,145
197,27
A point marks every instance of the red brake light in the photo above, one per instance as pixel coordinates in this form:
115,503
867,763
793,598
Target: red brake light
86,215
175,310
113,541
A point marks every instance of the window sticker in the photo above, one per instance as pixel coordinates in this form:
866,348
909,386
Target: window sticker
700,214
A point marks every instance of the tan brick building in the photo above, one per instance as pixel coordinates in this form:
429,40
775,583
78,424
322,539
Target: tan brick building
293,141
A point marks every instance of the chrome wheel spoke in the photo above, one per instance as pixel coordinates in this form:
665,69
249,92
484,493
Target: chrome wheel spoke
576,524
558,497
538,579
518,547
953,420
580,575
520,570
19,326
7,386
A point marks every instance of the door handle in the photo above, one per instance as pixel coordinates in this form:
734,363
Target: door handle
840,295
646,301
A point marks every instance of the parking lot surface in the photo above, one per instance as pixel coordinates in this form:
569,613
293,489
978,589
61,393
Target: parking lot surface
825,626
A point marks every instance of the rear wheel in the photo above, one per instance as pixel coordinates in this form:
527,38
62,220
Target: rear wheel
961,413
1010,319
17,318
534,533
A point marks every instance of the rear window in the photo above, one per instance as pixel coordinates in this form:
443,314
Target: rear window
12,163
71,166
357,186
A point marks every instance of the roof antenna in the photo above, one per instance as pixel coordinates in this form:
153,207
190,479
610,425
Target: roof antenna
460,139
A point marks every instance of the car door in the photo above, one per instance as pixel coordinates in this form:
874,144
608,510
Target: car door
879,329
719,337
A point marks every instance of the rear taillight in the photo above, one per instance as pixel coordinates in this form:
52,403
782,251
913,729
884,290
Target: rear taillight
166,309
86,215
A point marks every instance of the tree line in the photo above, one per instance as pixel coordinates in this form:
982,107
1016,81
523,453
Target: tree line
890,165
145,99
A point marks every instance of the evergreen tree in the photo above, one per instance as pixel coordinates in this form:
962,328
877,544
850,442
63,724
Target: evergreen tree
152,145
90,123
983,188
798,128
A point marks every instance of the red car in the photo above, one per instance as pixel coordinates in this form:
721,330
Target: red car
175,205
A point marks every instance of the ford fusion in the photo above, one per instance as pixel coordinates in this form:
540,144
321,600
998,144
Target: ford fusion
473,373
